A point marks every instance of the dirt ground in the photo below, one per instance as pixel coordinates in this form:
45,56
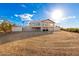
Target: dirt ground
59,43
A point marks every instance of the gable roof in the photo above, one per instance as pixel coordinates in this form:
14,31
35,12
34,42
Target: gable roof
48,20
41,21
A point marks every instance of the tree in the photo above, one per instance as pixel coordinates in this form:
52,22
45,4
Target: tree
6,27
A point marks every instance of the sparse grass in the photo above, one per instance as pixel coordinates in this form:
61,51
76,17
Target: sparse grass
57,43
71,29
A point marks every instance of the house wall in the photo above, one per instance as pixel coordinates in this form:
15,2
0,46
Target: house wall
45,25
56,28
15,29
35,24
28,28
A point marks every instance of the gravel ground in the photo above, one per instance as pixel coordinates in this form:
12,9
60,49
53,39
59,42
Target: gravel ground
59,43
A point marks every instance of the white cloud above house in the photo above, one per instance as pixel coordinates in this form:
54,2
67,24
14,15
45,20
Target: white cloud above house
25,17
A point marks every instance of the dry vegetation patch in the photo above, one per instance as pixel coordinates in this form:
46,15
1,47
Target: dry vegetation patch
57,43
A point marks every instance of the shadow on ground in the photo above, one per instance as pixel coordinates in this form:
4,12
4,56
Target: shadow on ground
13,36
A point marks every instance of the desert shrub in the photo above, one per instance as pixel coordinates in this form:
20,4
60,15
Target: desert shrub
71,29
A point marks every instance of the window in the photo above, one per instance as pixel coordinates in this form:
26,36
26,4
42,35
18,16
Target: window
43,24
32,24
46,24
38,24
35,24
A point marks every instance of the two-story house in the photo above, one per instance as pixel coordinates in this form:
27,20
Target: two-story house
42,25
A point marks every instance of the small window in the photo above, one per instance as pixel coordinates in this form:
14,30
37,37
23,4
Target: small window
42,24
38,24
45,24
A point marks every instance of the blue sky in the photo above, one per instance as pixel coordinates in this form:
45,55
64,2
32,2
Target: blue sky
22,13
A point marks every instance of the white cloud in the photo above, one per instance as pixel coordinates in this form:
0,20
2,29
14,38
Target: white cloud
25,17
69,17
16,15
64,18
23,5
1,21
34,11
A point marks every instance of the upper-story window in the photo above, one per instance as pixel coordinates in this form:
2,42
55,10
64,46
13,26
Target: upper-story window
35,24
44,24
38,24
